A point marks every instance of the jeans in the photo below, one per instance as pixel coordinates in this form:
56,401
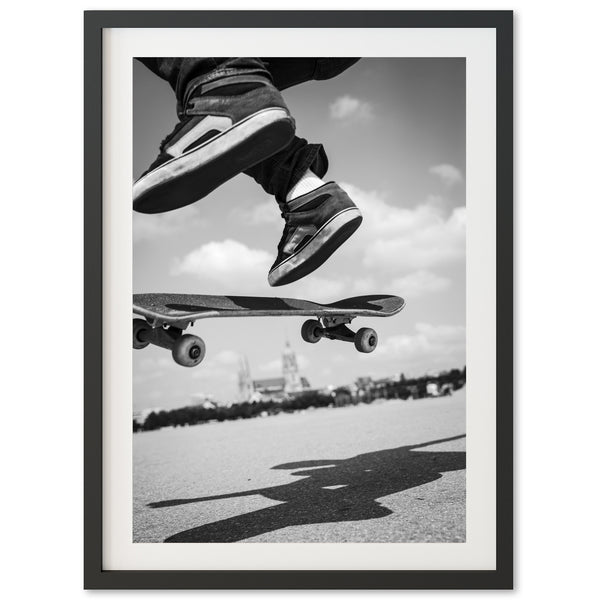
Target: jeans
279,173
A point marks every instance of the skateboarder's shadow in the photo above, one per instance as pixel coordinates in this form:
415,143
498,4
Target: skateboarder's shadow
329,491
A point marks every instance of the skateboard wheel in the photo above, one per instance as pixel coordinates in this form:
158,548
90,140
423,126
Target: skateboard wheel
140,328
365,340
311,331
189,350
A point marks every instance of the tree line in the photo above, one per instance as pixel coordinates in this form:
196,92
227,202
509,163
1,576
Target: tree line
366,392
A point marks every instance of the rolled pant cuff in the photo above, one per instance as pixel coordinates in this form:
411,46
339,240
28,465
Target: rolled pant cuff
281,172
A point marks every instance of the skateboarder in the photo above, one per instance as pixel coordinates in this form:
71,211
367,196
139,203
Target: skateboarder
233,119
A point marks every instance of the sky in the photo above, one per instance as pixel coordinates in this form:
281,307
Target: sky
394,132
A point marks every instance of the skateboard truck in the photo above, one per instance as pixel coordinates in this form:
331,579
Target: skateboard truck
336,328
187,350
166,317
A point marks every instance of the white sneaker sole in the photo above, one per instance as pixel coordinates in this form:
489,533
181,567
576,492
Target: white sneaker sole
190,176
323,244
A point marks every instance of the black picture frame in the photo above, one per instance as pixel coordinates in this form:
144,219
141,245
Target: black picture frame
95,577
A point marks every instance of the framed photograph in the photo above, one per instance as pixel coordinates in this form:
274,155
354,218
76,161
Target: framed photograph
312,387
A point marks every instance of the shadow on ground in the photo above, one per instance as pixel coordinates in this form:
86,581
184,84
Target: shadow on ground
329,491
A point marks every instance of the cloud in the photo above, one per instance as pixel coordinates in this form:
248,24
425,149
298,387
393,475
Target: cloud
153,363
150,227
317,289
230,266
224,380
225,357
347,108
147,368
225,364
419,283
228,263
259,214
363,286
276,365
427,348
449,174
404,240
412,285
396,250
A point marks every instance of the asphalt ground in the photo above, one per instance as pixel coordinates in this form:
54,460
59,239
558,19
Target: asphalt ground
391,471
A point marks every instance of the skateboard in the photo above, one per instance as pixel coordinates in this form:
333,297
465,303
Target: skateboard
166,316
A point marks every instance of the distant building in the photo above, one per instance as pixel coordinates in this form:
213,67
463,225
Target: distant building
245,384
291,375
272,388
275,388
270,385
364,383
432,388
204,400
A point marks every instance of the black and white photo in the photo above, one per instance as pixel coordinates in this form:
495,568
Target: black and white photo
305,356
264,437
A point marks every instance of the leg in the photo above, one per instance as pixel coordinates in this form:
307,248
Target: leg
287,72
198,156
182,73
232,117
281,172
319,217
186,74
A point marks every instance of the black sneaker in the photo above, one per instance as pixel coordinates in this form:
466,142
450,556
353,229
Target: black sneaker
316,225
228,126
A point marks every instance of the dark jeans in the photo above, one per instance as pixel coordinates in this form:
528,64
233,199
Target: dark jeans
279,173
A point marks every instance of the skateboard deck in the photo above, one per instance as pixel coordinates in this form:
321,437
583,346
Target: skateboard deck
167,315
186,308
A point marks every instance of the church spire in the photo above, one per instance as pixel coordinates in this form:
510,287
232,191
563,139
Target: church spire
245,384
293,383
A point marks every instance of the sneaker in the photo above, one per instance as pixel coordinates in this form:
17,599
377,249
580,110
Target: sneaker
316,225
227,127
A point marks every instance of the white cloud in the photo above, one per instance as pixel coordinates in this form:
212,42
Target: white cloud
396,250
418,283
347,108
232,267
427,348
404,240
434,241
363,286
224,379
224,364
148,368
225,357
153,364
259,214
449,174
275,366
315,288
412,285
149,227
228,263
